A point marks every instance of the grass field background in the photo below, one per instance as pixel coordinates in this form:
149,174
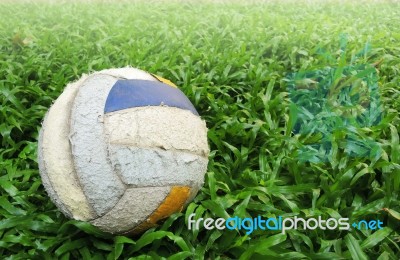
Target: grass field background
232,60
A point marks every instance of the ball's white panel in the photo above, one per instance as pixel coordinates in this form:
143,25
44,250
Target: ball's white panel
101,185
46,181
135,206
55,159
156,167
168,128
128,73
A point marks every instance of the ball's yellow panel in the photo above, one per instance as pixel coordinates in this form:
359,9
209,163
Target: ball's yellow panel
166,81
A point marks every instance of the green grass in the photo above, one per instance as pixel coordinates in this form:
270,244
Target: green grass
233,62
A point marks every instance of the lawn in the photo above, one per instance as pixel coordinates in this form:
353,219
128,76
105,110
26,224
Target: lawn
256,73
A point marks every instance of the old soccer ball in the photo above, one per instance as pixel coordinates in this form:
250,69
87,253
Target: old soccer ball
122,149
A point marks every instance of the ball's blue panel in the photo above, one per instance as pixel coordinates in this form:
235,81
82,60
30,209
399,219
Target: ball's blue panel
138,93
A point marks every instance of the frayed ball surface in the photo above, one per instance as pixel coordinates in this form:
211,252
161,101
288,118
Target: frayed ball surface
122,149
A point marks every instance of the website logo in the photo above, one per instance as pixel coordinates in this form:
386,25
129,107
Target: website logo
280,223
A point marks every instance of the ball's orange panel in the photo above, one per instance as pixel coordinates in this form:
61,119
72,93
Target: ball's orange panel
173,203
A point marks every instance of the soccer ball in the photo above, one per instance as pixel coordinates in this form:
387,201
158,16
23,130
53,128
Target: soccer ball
122,149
